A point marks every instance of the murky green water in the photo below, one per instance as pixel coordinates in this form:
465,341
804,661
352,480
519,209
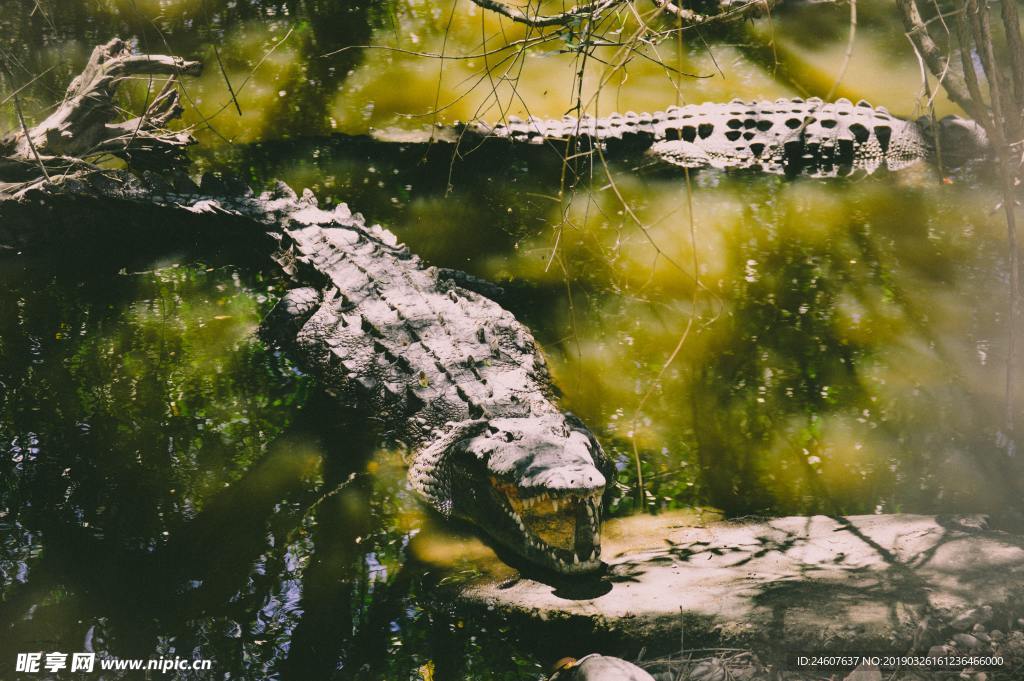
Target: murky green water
171,487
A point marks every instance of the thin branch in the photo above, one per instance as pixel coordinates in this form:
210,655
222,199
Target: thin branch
34,79
39,8
146,108
979,21
1015,46
21,120
434,55
591,10
227,81
849,51
747,9
440,67
28,137
970,77
687,15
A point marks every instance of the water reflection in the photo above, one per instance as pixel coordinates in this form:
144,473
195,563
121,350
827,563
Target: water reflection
832,366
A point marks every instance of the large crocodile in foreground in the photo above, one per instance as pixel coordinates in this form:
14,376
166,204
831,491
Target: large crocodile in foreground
784,136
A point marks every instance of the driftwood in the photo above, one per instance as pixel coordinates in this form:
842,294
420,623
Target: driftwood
84,127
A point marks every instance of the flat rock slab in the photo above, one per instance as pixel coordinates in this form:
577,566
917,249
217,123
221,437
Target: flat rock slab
871,582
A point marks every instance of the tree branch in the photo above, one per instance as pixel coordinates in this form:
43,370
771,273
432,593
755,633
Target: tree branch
1015,47
951,81
728,11
687,15
591,10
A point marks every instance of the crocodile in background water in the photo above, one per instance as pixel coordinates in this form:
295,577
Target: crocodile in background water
785,136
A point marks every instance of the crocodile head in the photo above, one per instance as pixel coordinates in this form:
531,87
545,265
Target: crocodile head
961,140
533,484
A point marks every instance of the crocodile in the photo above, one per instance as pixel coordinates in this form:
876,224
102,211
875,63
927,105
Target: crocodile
447,373
785,136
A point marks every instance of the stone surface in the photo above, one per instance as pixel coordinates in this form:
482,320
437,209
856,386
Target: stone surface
872,582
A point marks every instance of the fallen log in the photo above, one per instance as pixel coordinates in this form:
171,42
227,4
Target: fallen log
84,127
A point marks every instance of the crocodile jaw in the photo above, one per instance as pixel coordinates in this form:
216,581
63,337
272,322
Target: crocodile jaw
545,486
561,531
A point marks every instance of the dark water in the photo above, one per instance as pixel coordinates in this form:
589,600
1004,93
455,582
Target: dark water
171,486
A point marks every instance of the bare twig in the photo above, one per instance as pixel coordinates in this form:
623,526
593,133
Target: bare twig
849,51
25,85
21,121
1002,119
590,10
979,21
748,9
687,15
28,138
529,41
39,8
970,77
1015,47
227,81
